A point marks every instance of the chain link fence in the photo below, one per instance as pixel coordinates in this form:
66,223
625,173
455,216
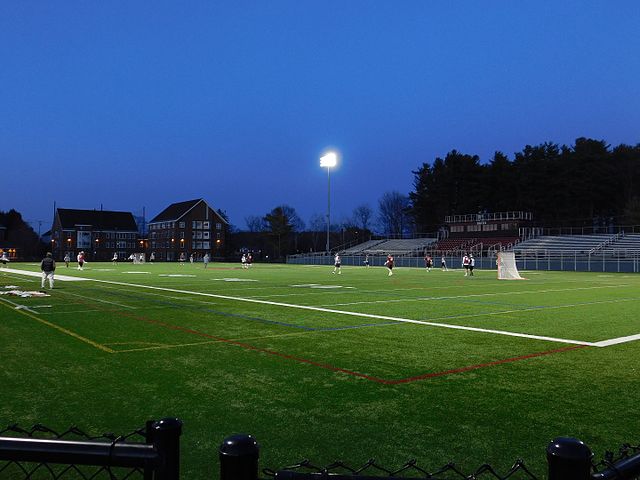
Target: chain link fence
151,452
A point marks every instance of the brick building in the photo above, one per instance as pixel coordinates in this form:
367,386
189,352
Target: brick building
191,227
99,233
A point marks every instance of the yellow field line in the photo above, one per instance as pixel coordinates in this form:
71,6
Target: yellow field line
59,328
164,347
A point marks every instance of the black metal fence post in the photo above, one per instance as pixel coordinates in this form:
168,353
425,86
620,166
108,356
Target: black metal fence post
166,438
568,459
239,456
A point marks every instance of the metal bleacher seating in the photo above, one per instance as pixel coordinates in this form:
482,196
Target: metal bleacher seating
566,243
395,247
627,244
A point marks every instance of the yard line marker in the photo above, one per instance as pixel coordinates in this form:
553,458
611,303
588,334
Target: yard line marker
61,329
355,314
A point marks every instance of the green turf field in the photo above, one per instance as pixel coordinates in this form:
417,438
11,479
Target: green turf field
426,365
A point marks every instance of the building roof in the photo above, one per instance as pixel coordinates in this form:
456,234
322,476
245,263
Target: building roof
175,211
98,219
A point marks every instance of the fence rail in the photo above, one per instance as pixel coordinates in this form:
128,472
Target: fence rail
158,458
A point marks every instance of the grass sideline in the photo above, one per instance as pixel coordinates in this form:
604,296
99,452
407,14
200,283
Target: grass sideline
324,366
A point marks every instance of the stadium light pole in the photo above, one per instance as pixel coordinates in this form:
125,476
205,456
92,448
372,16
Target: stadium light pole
329,160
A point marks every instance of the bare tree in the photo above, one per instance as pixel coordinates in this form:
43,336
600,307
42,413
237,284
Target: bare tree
392,216
254,223
362,216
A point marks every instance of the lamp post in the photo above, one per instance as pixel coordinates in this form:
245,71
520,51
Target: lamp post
329,159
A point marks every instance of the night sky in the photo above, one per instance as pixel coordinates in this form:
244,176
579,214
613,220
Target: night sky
129,104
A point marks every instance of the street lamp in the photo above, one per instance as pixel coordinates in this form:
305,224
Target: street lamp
329,159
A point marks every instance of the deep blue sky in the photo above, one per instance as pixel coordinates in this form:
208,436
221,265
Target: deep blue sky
130,104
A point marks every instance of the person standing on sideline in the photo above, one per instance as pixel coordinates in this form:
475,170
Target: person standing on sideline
47,266
389,264
114,260
366,260
191,259
337,264
80,259
205,260
152,257
4,259
67,259
472,263
443,264
182,258
465,264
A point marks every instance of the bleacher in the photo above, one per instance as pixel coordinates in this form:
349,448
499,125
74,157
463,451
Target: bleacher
361,247
498,243
395,247
454,244
628,244
565,243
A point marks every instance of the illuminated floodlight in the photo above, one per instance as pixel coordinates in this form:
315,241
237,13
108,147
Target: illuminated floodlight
329,159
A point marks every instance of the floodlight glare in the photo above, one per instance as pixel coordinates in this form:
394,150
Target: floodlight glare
329,159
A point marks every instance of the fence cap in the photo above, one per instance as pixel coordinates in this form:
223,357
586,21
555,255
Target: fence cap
569,448
169,424
239,445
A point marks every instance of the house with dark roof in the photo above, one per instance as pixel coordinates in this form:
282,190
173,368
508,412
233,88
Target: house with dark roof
99,233
190,227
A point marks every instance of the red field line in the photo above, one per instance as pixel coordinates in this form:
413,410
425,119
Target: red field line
351,372
482,365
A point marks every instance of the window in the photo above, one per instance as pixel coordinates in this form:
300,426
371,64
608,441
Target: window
218,226
181,224
193,224
199,225
474,228
457,228
181,234
205,225
205,234
490,227
205,245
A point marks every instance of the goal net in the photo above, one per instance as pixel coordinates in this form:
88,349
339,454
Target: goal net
507,269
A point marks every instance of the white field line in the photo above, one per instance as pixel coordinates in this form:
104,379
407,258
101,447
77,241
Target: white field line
617,341
353,314
64,278
18,306
69,312
603,343
452,297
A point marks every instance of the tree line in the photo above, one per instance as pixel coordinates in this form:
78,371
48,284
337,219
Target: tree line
586,183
